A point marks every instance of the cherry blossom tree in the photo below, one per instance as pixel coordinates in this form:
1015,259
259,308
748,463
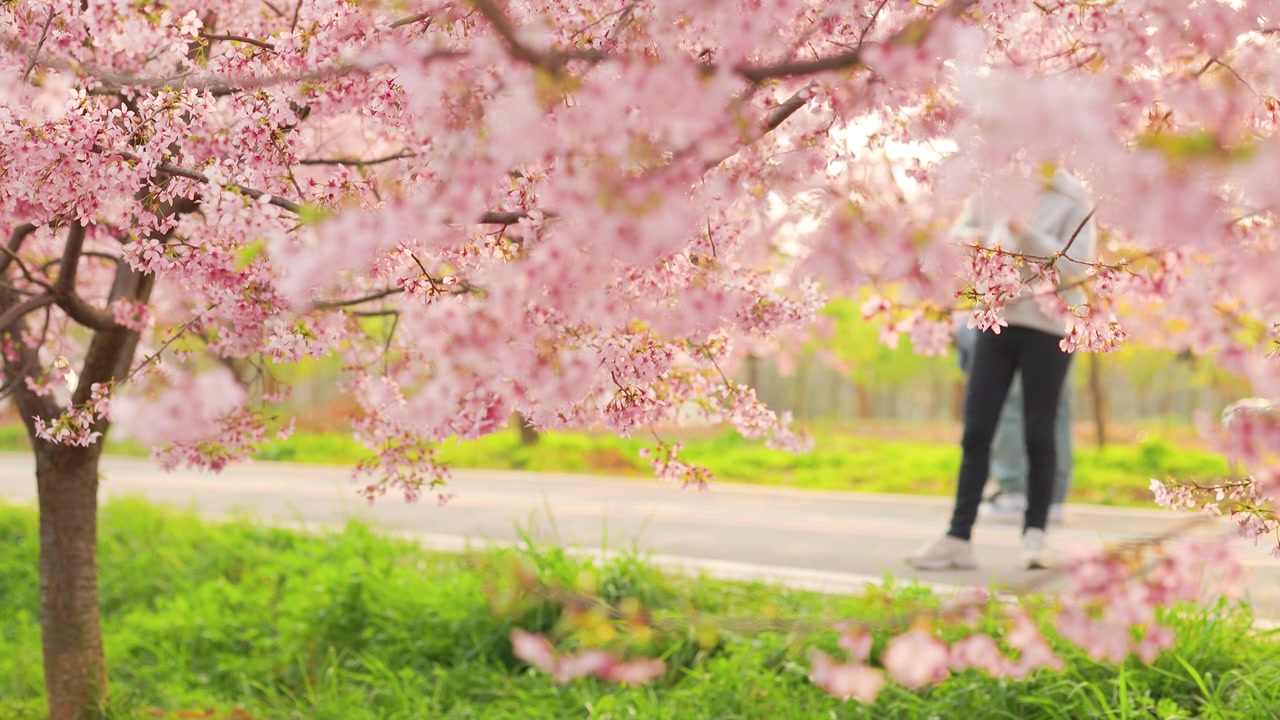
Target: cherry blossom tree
577,210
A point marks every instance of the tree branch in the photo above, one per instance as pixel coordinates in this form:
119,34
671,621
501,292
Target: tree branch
176,171
64,290
779,115
354,162
116,84
871,22
791,105
492,217
111,351
170,169
12,255
624,19
333,304
505,217
70,265
1072,240
413,19
20,374
760,73
35,53
16,238
16,312
240,39
501,24
18,365
840,61
549,60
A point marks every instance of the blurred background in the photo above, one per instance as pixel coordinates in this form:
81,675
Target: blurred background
883,420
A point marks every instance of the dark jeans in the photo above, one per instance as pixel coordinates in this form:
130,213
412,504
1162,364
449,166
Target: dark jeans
996,359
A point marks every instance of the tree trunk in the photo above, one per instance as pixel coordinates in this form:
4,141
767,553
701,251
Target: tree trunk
958,390
800,406
752,363
866,408
528,434
75,672
1099,400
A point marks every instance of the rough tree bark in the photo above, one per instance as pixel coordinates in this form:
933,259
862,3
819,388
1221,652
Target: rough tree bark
75,672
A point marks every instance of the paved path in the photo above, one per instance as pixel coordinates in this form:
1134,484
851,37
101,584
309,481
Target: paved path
822,540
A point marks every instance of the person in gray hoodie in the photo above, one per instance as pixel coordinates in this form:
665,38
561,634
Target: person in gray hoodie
1028,347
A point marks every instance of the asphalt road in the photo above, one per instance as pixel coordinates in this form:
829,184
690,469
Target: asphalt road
820,540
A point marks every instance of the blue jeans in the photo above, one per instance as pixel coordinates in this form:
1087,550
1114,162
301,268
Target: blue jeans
1009,448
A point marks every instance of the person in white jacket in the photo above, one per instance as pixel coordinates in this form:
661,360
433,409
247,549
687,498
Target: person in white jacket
1029,346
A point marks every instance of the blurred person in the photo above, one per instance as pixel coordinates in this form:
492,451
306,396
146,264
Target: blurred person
1028,346
1008,505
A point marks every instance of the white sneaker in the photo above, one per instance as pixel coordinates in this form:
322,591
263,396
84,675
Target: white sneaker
1011,509
1035,550
944,553
1056,514
1004,509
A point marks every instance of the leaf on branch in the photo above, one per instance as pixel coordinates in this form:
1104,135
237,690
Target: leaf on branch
1180,149
247,254
309,214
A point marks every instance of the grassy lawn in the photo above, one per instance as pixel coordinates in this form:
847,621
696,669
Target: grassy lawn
1116,475
240,621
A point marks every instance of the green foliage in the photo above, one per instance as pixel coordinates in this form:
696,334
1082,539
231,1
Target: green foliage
315,447
856,343
13,437
246,622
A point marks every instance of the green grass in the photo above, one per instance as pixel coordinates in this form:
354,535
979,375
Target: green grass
243,621
1115,475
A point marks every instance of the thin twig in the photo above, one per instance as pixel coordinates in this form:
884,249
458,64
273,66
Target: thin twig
12,255
334,304
172,339
1076,234
240,39
44,33
284,156
386,347
356,162
32,358
1238,76
413,19
862,36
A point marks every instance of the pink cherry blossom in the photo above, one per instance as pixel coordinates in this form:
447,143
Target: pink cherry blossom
915,659
846,680
533,649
